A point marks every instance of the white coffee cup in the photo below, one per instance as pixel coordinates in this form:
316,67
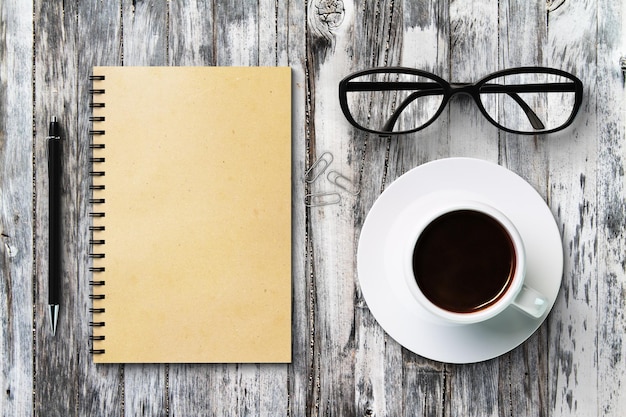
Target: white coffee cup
431,296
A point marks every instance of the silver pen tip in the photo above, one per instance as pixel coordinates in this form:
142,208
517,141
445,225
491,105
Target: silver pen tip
54,317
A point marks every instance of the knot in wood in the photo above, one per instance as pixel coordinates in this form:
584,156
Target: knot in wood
330,12
552,5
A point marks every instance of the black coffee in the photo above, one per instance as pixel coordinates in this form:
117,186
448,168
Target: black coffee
464,261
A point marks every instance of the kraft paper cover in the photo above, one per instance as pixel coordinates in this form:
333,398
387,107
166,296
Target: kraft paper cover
197,177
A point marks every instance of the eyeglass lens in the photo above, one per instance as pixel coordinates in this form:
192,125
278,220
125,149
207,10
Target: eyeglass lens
395,102
532,101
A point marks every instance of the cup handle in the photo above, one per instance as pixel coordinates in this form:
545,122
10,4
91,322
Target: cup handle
531,302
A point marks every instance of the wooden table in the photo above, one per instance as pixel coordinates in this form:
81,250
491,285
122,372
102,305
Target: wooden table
344,364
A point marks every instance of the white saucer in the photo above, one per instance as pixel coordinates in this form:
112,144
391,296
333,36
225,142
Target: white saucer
383,239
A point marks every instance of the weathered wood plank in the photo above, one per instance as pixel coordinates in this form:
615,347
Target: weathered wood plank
55,78
145,33
611,130
16,208
395,37
573,373
473,33
192,389
330,229
278,45
523,372
144,39
98,43
237,33
237,37
378,369
291,50
425,45
191,33
236,42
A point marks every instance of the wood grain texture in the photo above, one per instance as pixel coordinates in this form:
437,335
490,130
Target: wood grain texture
16,209
611,197
99,388
522,374
55,76
145,42
344,364
573,181
193,389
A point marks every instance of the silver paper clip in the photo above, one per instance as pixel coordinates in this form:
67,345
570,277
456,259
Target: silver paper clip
318,167
342,182
321,199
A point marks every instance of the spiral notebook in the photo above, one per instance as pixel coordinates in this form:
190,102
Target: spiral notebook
191,208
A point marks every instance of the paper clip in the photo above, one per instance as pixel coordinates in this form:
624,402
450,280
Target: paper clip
321,199
318,167
342,182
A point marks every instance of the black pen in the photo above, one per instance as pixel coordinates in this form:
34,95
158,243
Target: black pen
54,221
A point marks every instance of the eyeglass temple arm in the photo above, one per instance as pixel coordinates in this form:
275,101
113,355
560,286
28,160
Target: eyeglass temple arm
388,127
532,116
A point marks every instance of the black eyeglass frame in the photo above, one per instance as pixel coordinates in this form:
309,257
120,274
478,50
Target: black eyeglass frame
471,89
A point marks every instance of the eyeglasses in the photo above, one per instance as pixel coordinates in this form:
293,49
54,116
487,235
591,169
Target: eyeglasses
396,100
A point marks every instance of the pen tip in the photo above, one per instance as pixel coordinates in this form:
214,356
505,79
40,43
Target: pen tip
54,316
54,119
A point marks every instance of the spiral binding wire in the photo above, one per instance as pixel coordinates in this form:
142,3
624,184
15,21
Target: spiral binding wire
96,244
